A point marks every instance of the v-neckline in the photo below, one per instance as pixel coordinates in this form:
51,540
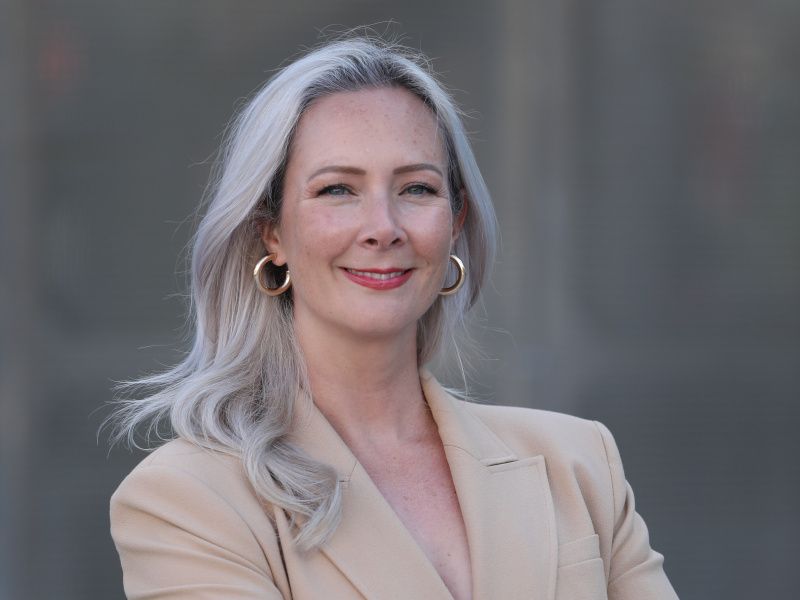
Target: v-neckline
503,500
409,530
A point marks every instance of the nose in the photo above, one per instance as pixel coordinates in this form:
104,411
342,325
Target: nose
381,227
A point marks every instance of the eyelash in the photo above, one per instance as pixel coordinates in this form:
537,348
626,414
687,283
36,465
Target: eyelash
328,188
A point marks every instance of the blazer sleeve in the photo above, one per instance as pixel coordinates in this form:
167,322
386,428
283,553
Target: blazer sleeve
178,539
636,571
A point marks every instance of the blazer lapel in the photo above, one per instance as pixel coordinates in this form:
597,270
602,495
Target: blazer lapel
371,546
505,501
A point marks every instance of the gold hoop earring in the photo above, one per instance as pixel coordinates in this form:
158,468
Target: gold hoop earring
287,283
462,275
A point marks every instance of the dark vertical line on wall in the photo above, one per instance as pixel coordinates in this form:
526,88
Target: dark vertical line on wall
559,135
533,199
17,295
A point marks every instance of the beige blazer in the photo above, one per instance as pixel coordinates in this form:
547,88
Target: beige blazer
548,515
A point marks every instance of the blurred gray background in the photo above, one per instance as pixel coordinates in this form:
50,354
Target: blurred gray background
643,157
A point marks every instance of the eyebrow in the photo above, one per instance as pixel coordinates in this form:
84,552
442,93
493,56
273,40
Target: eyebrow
357,171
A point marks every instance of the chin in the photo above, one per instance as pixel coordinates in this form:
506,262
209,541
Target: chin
371,329
371,324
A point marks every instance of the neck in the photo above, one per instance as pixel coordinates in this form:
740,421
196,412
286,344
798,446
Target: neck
367,388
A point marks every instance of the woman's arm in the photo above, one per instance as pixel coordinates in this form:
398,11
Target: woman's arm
177,538
636,570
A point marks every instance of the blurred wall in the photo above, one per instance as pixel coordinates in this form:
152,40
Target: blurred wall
643,159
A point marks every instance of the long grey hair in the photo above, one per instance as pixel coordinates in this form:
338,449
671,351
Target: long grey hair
236,389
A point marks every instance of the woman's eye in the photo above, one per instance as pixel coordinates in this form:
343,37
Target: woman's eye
419,189
334,190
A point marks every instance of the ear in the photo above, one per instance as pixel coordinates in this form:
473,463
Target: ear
461,216
271,238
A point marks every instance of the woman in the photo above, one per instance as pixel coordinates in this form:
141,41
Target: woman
316,457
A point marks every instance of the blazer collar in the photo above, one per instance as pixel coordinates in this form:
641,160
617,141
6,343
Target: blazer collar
505,502
459,428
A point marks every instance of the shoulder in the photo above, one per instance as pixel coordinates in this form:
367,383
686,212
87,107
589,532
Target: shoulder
181,469
182,487
528,430
183,456
186,456
185,510
580,457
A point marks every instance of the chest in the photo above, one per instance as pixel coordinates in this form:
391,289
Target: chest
419,488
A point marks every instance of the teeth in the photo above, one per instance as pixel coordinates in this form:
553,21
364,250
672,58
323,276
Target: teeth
378,276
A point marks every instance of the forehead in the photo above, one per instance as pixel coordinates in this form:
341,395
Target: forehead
367,126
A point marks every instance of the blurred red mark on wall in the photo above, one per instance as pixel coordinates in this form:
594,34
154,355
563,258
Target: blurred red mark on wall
60,61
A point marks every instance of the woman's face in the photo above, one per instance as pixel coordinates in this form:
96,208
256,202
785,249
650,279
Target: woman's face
366,225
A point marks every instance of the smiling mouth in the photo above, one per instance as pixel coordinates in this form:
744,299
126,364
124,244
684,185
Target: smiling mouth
378,275
379,279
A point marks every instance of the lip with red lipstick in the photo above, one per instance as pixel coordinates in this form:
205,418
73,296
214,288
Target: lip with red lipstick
378,279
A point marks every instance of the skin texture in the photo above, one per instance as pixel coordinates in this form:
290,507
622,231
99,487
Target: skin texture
377,219
356,196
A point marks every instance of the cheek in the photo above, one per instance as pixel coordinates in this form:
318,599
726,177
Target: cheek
434,237
317,236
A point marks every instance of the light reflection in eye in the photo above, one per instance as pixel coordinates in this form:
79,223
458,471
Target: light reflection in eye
334,190
419,189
